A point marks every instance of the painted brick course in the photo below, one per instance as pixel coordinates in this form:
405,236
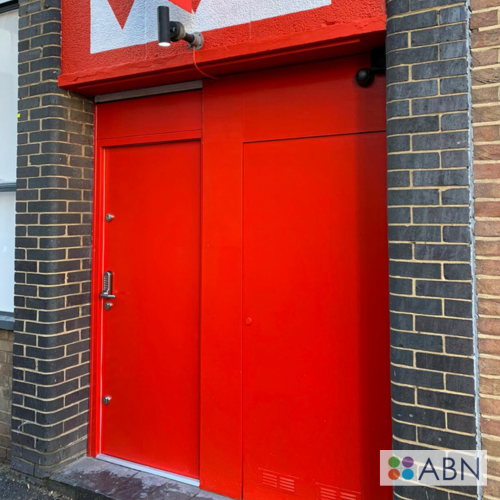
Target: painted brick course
53,228
6,343
485,24
429,174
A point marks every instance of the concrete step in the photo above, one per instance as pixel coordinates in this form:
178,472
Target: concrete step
92,479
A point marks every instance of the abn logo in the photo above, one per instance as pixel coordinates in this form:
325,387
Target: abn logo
396,464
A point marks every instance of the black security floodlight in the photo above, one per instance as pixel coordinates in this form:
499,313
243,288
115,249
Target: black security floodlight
171,31
163,26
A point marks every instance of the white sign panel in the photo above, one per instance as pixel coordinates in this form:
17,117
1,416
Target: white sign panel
433,468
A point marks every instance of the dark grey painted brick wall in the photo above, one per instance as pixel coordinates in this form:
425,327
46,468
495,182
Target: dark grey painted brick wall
433,369
53,228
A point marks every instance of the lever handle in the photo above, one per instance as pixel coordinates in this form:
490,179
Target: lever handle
107,286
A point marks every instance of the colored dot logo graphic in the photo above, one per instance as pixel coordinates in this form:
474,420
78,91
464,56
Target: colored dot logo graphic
396,464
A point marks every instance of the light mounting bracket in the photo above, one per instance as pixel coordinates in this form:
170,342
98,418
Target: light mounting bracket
173,31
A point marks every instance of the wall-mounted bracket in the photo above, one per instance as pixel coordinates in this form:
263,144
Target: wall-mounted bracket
173,31
366,76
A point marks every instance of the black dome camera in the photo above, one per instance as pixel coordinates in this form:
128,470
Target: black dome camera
366,76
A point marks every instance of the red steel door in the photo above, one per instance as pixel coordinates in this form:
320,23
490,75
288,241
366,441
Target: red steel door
283,242
151,185
151,334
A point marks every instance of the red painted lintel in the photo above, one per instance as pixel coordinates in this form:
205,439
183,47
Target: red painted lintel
331,41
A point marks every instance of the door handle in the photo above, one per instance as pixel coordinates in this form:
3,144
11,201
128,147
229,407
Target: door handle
107,286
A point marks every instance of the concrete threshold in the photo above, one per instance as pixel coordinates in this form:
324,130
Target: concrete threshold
93,479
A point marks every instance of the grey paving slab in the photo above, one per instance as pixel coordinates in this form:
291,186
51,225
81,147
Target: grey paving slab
81,472
113,478
90,476
207,495
165,493
93,475
140,486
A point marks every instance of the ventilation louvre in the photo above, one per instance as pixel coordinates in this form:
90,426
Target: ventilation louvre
276,481
269,479
349,495
330,493
326,493
287,484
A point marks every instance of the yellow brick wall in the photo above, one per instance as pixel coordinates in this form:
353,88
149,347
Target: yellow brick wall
485,25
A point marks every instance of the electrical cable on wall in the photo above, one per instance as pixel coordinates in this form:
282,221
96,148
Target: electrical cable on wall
173,31
200,70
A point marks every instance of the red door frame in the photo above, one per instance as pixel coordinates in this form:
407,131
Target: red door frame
223,472
94,441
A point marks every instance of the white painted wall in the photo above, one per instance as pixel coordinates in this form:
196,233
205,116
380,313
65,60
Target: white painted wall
8,95
8,145
141,27
7,224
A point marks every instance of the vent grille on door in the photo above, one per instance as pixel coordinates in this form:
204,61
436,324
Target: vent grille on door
270,479
331,493
276,481
287,484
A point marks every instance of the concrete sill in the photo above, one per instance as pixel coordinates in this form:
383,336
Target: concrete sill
92,479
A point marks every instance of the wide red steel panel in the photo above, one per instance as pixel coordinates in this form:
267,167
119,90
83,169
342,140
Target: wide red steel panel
151,335
315,292
295,189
